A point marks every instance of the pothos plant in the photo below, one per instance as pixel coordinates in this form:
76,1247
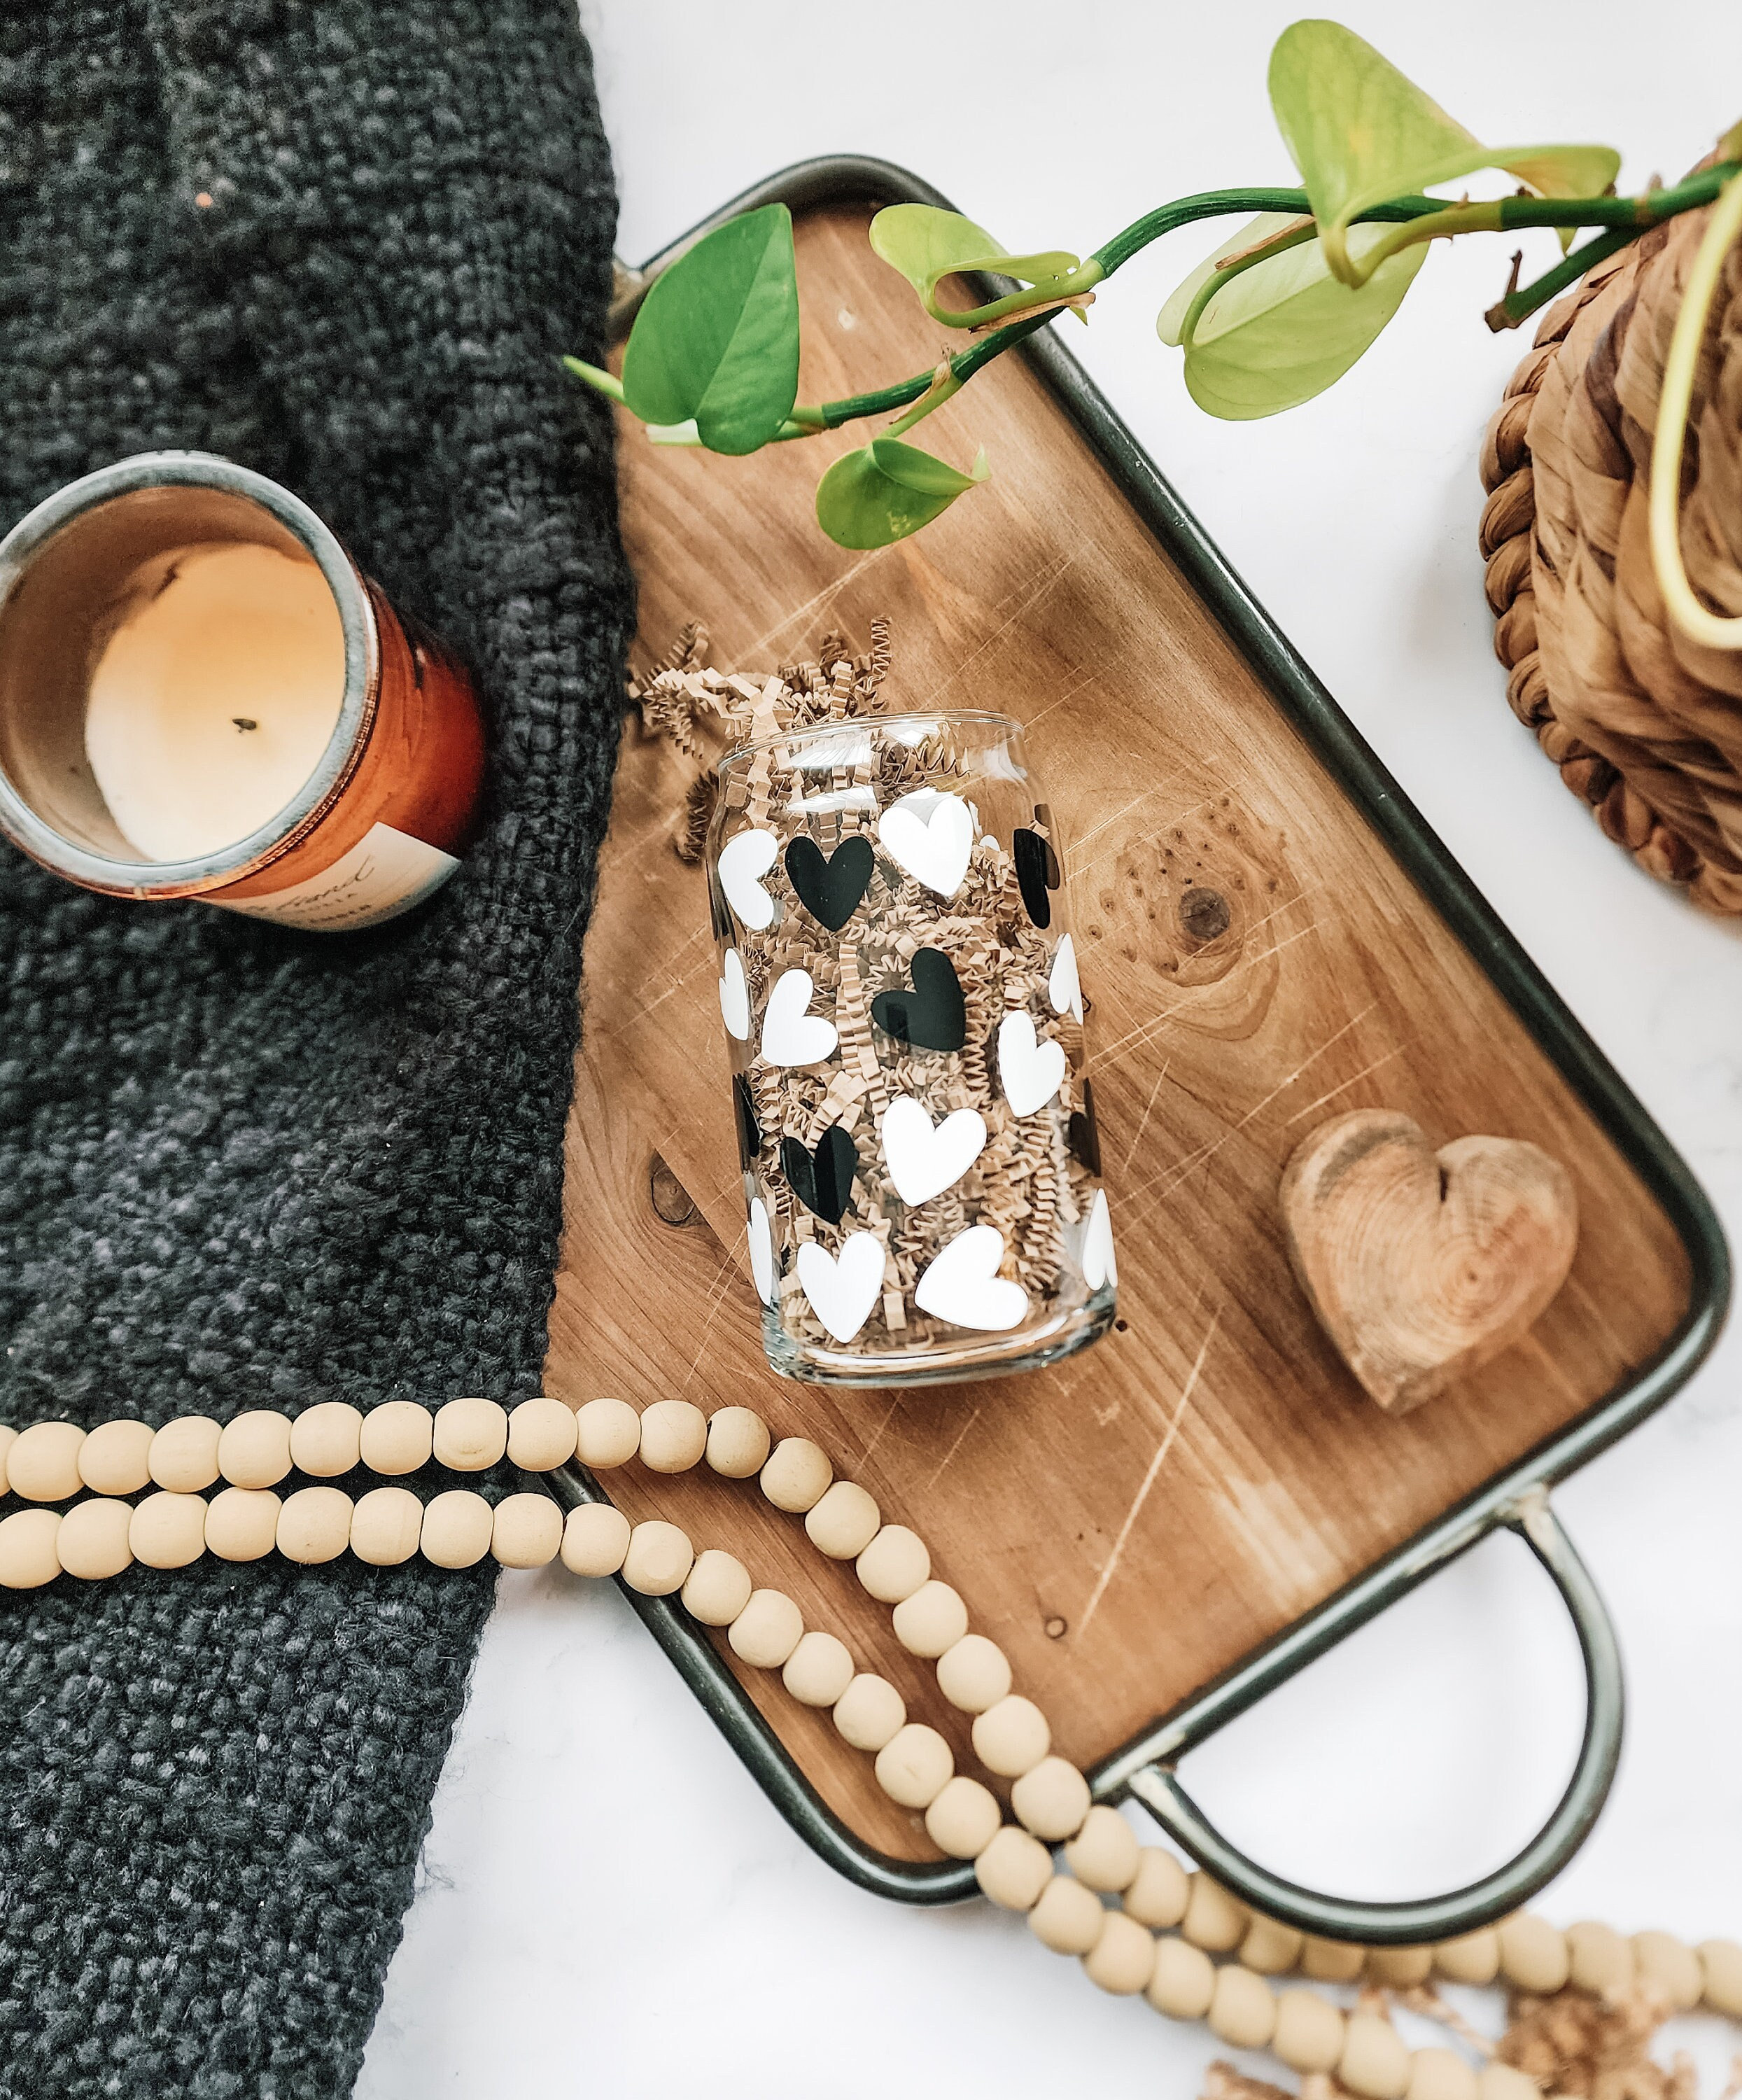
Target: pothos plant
1276,314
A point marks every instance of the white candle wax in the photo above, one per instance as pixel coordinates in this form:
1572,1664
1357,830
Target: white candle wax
214,697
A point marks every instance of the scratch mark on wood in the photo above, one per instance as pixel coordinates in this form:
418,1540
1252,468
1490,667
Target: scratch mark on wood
1055,569
1366,1072
1142,1496
723,1279
1131,1151
956,1447
877,1433
749,656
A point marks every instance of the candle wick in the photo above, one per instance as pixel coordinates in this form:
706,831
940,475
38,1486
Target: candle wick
242,721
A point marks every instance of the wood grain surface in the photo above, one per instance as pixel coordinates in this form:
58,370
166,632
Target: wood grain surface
1131,1524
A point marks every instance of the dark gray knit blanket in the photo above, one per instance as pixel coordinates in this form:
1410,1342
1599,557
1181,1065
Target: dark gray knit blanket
344,244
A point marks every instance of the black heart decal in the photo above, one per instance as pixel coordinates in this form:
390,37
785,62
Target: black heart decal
821,1180
830,888
749,1130
1037,872
931,1017
1082,1136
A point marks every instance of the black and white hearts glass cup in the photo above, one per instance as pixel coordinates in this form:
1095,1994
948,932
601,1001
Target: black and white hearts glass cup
898,985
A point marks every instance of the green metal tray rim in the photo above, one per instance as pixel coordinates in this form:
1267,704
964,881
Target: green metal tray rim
841,179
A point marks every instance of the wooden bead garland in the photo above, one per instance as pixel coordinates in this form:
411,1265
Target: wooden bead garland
98,1537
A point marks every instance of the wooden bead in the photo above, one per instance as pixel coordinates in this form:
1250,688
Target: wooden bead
1012,1738
1721,1972
1213,1920
387,1524
314,1525
844,1522
1332,1961
659,1559
397,1439
1068,1917
92,1541
1103,1854
28,1554
974,1674
1440,2074
797,1476
115,1458
1123,1960
1051,1800
819,1669
674,1435
964,1818
456,1530
914,1766
254,1450
1270,1948
183,1458
8,1438
608,1433
932,1619
1663,1960
325,1441
1309,2031
1159,1889
717,1589
595,1539
1600,1961
1013,1869
1399,1968
42,1465
1533,1956
1473,1959
168,1530
893,1565
870,1711
1183,1981
737,1442
1506,2081
470,1436
1243,2008
541,1435
1375,2062
241,1524
766,1632
526,1530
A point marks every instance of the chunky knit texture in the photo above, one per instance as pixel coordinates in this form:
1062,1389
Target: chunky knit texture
345,244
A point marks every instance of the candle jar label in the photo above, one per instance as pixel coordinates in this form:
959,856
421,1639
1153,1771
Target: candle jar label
386,873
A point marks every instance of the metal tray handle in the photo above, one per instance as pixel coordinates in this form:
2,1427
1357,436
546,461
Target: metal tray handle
1433,1918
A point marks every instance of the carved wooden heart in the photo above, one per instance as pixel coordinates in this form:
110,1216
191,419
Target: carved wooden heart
1421,1265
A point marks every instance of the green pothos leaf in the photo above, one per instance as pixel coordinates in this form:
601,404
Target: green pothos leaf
1282,329
927,246
1361,132
716,341
879,494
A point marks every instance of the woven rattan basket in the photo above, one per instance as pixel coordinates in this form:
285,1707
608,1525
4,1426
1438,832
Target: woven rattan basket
1644,724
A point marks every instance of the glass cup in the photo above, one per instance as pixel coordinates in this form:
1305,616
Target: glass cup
899,988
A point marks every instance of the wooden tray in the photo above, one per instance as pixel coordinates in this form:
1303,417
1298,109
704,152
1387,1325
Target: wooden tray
1160,1528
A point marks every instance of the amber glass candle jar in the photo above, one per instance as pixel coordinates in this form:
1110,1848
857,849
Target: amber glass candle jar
201,696
899,989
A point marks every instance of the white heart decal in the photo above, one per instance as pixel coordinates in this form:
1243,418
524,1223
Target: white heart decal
924,1158
932,846
1064,987
761,1251
1100,1264
842,1290
791,1035
735,997
1032,1072
962,1284
743,860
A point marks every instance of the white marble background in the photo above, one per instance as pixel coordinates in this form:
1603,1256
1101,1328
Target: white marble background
607,1904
